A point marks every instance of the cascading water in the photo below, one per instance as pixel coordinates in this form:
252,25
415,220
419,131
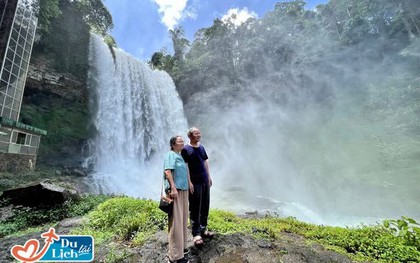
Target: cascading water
313,151
136,111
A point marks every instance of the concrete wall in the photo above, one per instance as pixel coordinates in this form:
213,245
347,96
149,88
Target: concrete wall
11,162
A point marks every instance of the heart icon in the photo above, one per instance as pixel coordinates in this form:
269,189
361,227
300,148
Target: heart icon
26,252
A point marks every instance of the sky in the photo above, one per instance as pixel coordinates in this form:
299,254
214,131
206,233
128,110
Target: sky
141,26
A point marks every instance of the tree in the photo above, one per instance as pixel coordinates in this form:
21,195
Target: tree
180,43
47,10
163,61
292,8
96,16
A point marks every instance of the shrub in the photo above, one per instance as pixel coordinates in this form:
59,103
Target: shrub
26,217
125,218
406,228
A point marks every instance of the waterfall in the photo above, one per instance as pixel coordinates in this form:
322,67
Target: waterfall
136,111
315,152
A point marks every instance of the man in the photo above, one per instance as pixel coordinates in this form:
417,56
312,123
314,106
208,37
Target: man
196,157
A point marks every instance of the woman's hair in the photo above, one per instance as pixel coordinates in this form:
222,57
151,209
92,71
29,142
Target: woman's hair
172,141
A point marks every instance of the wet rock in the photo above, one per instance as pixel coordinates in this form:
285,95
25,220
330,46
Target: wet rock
39,194
66,225
6,212
239,248
78,172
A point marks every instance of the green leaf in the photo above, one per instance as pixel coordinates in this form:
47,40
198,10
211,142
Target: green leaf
411,221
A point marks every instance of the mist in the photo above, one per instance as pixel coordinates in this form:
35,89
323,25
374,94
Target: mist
318,130
324,163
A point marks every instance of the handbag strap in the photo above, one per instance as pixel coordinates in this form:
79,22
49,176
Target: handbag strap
161,188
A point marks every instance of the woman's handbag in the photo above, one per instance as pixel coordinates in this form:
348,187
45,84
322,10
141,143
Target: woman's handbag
165,204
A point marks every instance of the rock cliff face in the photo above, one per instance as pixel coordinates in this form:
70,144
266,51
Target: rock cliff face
58,103
43,78
56,95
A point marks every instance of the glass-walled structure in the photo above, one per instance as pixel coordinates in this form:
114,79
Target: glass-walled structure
7,11
19,138
19,142
16,54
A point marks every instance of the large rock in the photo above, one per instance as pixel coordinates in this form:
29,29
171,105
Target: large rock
43,194
232,248
43,78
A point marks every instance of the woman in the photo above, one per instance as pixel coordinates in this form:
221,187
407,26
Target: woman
177,176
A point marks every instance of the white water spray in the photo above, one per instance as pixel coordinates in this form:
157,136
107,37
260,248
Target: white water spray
325,164
137,110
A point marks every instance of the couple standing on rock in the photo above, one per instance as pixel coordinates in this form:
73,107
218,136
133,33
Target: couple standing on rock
186,170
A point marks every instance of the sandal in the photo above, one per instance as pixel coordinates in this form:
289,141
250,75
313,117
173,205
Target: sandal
207,234
198,241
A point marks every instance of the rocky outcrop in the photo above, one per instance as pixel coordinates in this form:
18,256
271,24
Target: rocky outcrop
43,194
17,163
58,103
42,78
239,248
232,248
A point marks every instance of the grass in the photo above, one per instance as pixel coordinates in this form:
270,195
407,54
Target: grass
27,219
125,219
364,243
66,124
128,220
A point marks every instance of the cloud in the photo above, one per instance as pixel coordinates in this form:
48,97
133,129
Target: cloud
238,16
190,12
172,11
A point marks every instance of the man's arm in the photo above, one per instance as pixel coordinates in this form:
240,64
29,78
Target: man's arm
190,184
206,165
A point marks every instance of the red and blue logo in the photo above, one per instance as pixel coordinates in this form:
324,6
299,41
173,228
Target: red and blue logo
57,248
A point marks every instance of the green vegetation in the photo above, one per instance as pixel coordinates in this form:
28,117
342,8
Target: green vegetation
24,218
366,243
64,27
373,243
133,220
126,218
110,41
406,228
96,15
353,45
66,124
66,43
47,11
116,255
